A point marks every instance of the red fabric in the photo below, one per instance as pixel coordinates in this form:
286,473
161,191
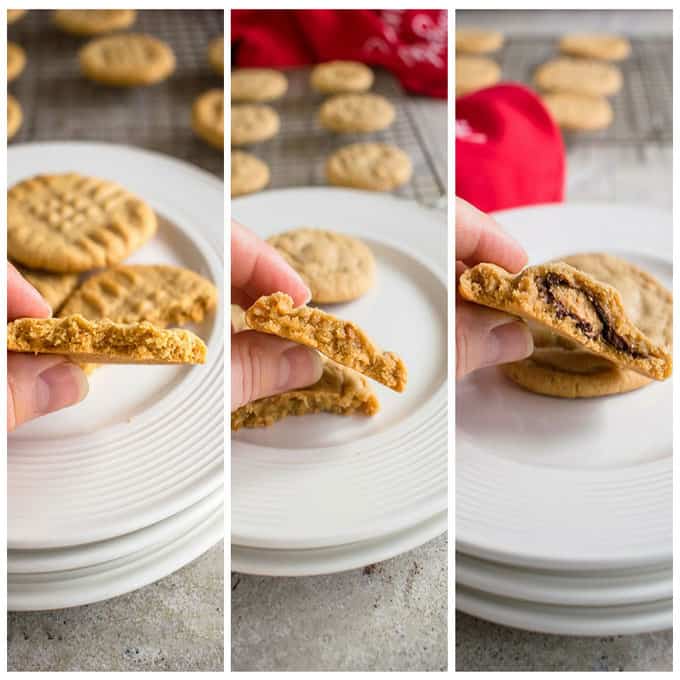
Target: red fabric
509,151
410,43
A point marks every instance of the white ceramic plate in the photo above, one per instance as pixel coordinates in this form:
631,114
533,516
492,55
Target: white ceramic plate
72,588
92,554
323,480
543,618
559,483
332,560
573,588
148,440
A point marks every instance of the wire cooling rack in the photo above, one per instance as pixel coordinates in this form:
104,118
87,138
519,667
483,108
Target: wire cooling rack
297,155
643,109
60,104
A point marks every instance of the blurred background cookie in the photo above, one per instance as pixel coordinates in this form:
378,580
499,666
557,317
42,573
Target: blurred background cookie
341,77
581,76
93,21
595,46
345,113
475,73
127,60
16,61
471,40
252,123
248,173
578,112
207,117
257,85
15,116
216,55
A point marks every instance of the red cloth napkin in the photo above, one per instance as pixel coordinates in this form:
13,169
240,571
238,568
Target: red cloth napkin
509,151
410,43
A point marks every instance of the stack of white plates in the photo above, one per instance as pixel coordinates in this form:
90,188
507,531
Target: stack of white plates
127,486
564,507
321,493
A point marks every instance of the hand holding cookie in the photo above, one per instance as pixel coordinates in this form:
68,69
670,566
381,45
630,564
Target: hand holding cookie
263,365
36,385
485,337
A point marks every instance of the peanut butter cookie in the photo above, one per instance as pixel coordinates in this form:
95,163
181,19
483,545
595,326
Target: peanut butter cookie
335,267
207,117
478,40
69,223
127,60
561,368
595,46
248,173
579,76
572,304
216,55
369,165
366,112
86,22
341,77
341,341
340,390
475,73
16,61
579,112
105,342
161,294
257,85
253,123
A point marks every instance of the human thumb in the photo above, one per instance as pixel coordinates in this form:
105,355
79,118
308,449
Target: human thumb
263,365
37,385
485,337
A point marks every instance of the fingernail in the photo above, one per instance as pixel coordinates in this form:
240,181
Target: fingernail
299,367
60,386
308,299
509,342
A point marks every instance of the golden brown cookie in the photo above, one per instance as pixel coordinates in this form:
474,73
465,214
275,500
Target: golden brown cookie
595,46
105,342
478,40
340,341
341,77
257,85
252,123
127,60
54,288
580,76
248,173
572,304
207,117
161,294
356,113
15,116
93,21
579,112
69,223
15,14
335,267
216,55
475,73
340,390
370,165
16,61
561,368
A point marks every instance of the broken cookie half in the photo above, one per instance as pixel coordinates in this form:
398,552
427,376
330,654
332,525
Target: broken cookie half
104,341
339,390
341,341
574,305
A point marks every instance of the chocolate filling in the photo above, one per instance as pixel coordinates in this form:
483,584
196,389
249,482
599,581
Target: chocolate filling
545,285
